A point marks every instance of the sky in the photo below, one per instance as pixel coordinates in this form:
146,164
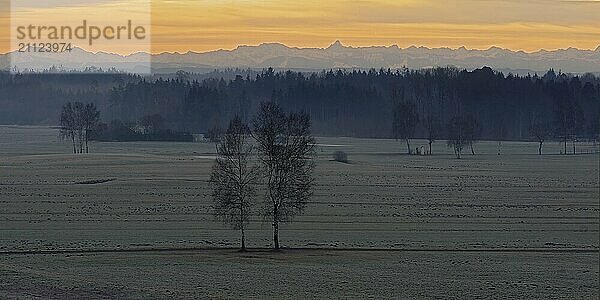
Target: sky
204,25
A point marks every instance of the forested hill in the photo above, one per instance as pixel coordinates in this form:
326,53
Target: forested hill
344,103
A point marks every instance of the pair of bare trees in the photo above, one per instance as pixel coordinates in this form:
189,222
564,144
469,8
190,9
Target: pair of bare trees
77,121
405,122
463,131
276,152
569,122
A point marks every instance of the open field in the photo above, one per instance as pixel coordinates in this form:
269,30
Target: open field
515,224
302,273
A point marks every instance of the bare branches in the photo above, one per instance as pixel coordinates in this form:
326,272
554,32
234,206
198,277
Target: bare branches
77,121
286,147
569,121
540,130
405,122
234,178
434,130
214,135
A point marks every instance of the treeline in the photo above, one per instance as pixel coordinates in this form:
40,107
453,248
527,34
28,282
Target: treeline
80,124
147,129
341,103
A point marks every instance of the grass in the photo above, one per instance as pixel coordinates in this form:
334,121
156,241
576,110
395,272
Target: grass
302,273
483,224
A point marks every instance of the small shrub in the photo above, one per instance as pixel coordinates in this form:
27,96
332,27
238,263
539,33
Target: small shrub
340,156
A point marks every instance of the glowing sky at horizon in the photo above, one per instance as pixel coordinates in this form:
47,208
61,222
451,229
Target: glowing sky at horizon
203,25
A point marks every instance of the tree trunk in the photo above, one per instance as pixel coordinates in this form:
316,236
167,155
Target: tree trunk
472,151
243,249
87,150
80,143
275,234
565,146
74,147
540,148
408,146
430,153
574,152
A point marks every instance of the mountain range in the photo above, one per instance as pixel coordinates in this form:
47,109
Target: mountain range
279,56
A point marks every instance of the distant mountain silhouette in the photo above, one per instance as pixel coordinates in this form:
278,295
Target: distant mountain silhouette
337,55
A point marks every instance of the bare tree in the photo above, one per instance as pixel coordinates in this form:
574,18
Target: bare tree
471,131
67,124
286,147
214,135
457,139
91,118
405,122
78,116
569,122
561,121
498,132
234,178
577,125
540,130
77,121
434,128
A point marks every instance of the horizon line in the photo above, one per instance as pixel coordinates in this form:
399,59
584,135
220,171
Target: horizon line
337,42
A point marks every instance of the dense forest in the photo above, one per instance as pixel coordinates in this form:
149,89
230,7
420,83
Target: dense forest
345,103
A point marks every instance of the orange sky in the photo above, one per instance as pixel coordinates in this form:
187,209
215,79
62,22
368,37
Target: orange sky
202,25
